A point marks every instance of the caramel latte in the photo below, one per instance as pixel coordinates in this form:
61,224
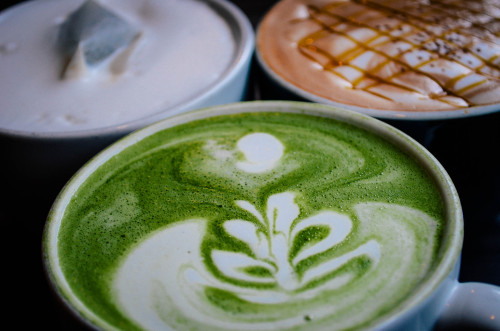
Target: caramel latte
383,54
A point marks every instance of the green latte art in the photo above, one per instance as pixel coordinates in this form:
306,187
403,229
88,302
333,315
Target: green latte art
252,221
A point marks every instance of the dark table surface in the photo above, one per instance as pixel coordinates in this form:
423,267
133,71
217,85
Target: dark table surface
472,166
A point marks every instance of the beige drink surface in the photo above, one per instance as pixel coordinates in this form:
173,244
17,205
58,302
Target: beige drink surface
384,54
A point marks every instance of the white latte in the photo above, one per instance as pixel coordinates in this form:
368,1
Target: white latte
177,49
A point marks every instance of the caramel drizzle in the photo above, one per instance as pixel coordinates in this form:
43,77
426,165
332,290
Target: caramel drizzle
335,62
361,47
404,16
445,8
306,44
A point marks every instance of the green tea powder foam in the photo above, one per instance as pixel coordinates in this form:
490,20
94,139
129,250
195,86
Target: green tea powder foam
251,221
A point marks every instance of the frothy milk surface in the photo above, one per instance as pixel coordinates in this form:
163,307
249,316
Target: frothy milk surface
182,47
386,54
252,221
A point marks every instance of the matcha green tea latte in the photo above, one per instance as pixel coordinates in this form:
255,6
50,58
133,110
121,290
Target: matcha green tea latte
264,217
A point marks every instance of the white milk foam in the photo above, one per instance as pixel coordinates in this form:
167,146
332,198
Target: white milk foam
184,46
261,151
162,283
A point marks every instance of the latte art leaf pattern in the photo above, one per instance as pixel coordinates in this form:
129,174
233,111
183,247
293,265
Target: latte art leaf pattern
273,246
169,257
277,249
281,221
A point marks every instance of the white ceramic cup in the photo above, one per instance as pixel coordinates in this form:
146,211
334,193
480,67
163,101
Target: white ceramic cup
329,29
441,297
53,157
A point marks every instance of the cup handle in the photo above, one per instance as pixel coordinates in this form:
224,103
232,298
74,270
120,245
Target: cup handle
471,306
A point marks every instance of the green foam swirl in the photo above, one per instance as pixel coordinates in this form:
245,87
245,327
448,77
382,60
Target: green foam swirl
188,175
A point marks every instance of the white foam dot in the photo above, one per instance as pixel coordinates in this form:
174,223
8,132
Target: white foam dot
262,151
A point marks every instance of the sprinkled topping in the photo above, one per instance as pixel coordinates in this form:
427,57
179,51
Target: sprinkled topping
387,54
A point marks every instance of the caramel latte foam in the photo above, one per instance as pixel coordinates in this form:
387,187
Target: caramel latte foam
383,54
